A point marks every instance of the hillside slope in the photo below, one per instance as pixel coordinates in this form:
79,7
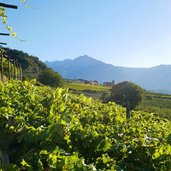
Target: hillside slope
34,68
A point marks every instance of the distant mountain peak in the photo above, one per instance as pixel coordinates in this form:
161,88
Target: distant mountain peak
84,57
87,59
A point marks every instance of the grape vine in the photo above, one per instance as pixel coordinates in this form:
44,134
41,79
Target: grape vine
56,130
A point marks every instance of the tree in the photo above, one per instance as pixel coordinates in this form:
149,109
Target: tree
126,94
51,78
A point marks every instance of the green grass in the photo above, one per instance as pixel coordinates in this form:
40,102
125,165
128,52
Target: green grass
159,104
157,95
81,86
94,91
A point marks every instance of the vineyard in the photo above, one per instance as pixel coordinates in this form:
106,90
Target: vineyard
83,87
157,103
43,129
10,68
94,91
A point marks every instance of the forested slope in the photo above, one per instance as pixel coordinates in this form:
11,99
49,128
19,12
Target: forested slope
34,68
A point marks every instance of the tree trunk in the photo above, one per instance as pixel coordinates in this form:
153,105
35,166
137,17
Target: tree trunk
128,114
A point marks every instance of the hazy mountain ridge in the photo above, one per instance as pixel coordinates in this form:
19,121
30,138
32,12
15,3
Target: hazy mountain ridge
85,67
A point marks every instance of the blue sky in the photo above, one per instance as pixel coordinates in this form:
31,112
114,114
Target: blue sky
133,33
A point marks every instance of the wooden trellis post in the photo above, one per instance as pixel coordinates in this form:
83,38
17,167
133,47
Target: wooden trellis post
14,70
8,6
19,72
9,66
4,158
4,34
9,69
1,43
2,68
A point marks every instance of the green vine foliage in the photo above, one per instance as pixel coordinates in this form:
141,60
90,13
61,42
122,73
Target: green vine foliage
4,16
57,130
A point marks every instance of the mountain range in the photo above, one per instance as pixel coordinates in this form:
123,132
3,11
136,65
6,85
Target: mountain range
84,67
